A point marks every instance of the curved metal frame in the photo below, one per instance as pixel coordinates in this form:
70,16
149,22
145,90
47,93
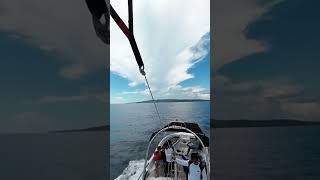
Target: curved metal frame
176,127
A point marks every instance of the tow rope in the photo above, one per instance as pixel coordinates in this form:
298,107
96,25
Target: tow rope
130,35
154,102
98,8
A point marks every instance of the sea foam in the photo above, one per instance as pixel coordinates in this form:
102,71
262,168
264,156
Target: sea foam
132,171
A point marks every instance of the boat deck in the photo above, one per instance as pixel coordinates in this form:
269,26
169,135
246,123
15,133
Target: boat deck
183,146
152,173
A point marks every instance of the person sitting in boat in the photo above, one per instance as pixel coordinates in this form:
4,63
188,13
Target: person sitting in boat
168,153
196,169
157,159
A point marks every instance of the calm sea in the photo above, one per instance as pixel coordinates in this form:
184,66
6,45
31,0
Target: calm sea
131,126
272,153
65,156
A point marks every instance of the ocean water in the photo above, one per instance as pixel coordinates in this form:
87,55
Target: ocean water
269,153
264,153
131,126
63,156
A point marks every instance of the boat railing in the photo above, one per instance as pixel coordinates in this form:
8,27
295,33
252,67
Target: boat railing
204,149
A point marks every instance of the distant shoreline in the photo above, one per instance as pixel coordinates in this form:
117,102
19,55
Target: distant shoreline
260,123
222,124
172,100
97,128
164,101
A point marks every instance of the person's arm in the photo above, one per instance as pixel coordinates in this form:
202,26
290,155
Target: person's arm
184,157
182,162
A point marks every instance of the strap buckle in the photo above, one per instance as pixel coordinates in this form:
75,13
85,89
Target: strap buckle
143,73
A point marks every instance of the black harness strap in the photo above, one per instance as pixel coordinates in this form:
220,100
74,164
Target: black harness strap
129,33
97,7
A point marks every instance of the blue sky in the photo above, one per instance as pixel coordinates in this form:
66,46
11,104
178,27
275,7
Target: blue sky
177,61
266,61
54,70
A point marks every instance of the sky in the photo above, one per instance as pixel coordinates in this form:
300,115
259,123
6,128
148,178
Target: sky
53,68
266,59
174,42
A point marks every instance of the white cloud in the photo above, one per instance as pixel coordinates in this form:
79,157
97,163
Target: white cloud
141,92
118,100
176,92
193,92
281,89
263,99
230,20
62,27
306,111
257,99
171,38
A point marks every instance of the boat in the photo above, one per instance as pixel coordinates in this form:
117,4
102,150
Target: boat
186,139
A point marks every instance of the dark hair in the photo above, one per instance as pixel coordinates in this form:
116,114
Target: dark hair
164,145
195,156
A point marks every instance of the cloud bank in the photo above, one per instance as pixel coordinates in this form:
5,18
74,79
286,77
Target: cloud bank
230,20
62,27
263,99
172,37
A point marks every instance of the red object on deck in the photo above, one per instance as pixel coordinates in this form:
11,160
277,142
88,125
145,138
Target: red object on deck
157,156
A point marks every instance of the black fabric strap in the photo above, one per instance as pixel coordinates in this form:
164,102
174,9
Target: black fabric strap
128,32
97,7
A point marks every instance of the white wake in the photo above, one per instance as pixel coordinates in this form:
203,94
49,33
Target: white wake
133,171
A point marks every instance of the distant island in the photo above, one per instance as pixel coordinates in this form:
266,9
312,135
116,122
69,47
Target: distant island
222,124
173,100
97,128
260,123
